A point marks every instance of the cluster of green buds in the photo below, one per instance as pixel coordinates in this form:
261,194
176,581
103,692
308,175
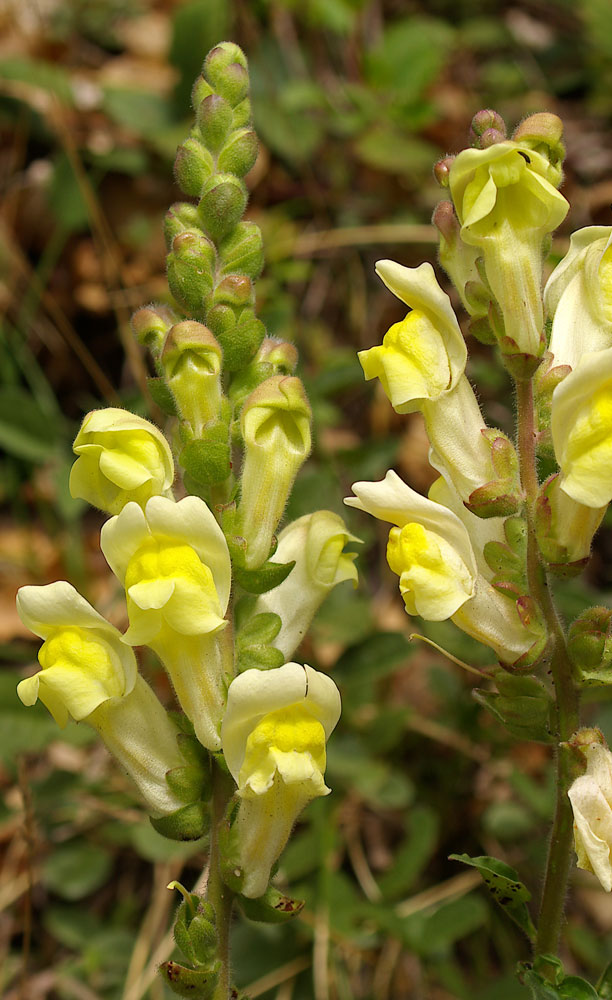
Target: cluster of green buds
211,586
477,548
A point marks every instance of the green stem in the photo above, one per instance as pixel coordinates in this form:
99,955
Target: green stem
217,892
567,702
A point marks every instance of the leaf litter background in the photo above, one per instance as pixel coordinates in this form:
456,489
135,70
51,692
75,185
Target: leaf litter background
354,100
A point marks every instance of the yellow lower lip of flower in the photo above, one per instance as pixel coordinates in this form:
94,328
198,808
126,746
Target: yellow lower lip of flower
412,362
290,743
434,580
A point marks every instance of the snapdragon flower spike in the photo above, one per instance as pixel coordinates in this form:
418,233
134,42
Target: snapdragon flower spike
88,674
173,561
581,426
424,355
121,457
274,733
275,424
578,297
591,799
316,543
431,551
507,204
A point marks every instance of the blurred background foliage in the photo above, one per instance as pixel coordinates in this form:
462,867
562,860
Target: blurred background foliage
354,100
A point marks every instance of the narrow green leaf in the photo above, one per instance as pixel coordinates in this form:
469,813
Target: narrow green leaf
504,885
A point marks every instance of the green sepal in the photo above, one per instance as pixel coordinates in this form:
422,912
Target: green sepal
192,751
243,114
259,657
193,166
195,932
208,459
197,983
254,643
189,783
226,68
239,152
507,890
190,822
509,561
546,980
243,384
239,338
522,704
271,908
242,251
502,496
229,848
234,290
261,628
545,381
200,91
224,199
264,578
161,395
589,644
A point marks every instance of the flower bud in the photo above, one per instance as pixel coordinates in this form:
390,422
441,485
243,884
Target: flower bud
191,264
441,170
226,69
490,137
180,217
234,290
282,355
200,91
195,929
274,733
192,361
589,645
316,543
90,675
239,152
150,326
242,251
173,561
275,423
207,460
243,114
581,426
564,528
214,118
239,337
591,799
222,205
192,167
485,120
522,705
121,457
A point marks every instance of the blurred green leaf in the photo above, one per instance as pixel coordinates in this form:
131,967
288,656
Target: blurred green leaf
196,26
141,111
65,197
409,56
45,76
25,430
505,887
76,869
413,854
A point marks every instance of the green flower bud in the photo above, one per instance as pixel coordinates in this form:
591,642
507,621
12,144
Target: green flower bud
222,205
242,251
192,167
239,153
150,326
194,929
214,118
188,783
246,380
200,91
281,354
208,460
190,269
226,69
522,704
239,341
243,114
192,361
441,170
590,646
180,217
275,424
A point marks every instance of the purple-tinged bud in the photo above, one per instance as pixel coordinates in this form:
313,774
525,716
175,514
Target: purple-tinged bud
279,353
485,120
490,138
480,328
150,326
239,153
243,114
446,222
190,265
543,132
441,170
214,118
226,69
180,217
200,91
235,290
589,644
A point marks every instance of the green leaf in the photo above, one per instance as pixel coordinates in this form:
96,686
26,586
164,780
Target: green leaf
266,577
575,988
271,908
160,393
25,431
604,985
387,148
504,885
141,111
76,869
409,56
45,76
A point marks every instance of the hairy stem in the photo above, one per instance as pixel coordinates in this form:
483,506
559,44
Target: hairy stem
567,704
217,892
